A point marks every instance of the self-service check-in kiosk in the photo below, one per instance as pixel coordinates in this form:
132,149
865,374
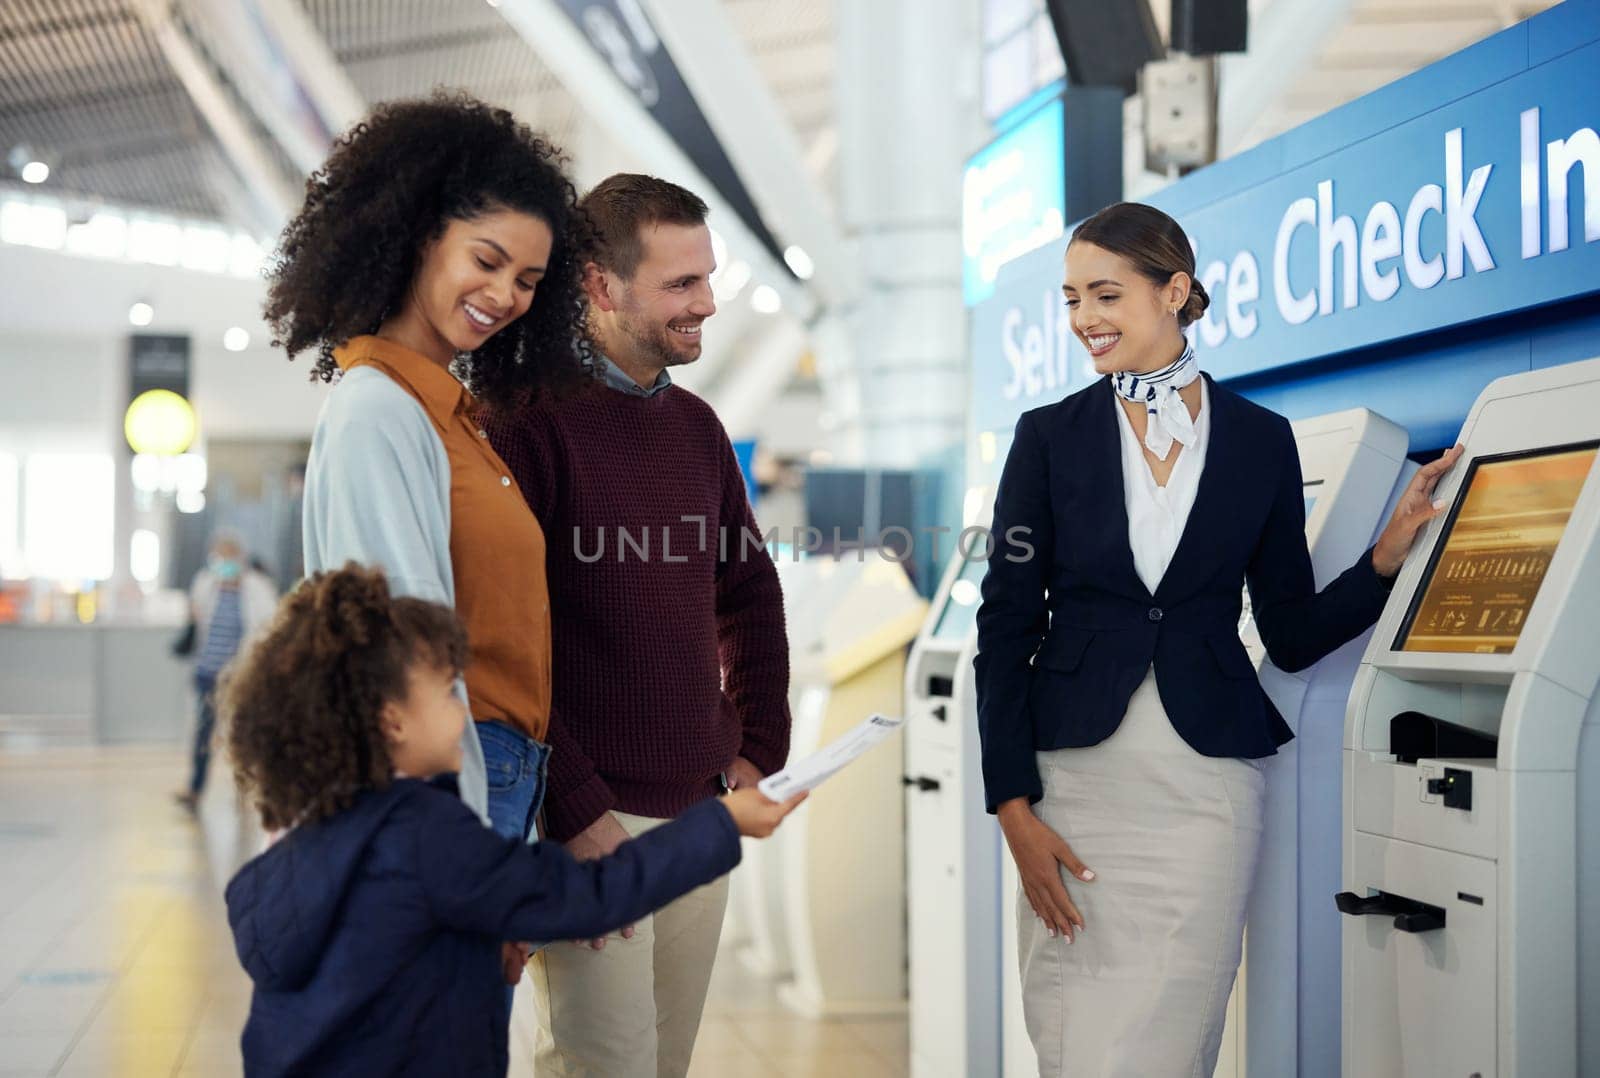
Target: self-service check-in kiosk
823,901
1283,1017
1471,884
952,844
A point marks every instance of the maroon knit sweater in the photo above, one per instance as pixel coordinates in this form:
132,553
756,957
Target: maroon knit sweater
667,663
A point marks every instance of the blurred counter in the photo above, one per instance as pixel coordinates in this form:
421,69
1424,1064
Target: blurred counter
109,683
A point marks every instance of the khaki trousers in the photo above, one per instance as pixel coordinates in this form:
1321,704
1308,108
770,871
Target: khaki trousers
632,1009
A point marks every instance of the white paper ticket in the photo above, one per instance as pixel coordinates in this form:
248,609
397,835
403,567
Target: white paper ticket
815,769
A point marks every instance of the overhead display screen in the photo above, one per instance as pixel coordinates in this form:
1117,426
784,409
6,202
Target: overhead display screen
960,611
1498,541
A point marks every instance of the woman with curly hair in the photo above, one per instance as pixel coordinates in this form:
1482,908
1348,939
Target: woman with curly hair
432,268
370,929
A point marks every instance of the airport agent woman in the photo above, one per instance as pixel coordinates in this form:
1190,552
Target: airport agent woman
436,242
1119,715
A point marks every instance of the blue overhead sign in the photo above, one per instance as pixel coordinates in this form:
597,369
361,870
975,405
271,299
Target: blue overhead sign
1024,353
1359,229
1013,198
1488,205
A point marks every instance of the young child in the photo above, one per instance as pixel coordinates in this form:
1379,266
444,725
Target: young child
372,929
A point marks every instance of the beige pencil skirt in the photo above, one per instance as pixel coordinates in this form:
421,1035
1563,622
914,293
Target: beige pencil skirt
1172,837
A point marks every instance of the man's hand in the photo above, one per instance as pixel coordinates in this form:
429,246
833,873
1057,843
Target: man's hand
742,773
599,839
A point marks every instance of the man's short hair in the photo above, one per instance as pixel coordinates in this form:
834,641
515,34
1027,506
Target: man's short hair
621,207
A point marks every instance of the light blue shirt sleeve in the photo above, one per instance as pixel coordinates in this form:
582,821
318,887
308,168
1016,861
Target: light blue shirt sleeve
378,493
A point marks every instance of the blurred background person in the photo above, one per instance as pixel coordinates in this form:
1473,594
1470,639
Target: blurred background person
230,599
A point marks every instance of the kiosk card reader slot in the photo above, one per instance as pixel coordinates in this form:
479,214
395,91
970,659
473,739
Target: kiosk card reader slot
1471,758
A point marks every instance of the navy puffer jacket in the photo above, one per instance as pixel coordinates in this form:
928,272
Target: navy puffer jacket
373,937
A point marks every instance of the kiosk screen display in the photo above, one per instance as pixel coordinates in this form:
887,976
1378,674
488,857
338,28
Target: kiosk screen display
960,611
1498,541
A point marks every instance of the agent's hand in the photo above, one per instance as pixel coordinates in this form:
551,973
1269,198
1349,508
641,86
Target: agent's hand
599,839
514,956
742,773
757,815
1040,854
1415,509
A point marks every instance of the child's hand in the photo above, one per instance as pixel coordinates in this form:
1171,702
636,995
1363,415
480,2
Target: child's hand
755,814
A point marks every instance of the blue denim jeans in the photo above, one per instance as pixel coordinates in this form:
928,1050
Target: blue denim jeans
517,767
205,690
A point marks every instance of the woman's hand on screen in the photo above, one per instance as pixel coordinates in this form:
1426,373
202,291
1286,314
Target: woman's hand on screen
1415,509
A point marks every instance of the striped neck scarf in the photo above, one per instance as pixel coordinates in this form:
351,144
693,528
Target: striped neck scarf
1158,391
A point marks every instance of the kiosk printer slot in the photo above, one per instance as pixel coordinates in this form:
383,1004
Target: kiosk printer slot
1283,1017
1471,891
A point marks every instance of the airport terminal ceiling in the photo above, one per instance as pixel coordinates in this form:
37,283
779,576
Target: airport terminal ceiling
92,87
189,111
92,84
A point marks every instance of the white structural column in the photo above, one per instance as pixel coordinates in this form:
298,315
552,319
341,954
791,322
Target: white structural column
909,116
1284,41
743,395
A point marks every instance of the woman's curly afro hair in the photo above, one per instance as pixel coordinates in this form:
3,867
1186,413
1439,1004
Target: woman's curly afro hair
303,708
389,188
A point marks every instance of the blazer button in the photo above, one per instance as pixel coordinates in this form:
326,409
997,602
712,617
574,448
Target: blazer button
1156,614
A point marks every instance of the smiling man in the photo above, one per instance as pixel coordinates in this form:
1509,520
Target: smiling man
671,661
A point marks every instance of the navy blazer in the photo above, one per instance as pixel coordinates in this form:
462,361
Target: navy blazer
373,936
1067,634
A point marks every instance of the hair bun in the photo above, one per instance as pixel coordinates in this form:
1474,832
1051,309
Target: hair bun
1196,305
352,604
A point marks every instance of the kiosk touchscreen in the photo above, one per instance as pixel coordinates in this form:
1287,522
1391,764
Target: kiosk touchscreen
1283,1017
1471,883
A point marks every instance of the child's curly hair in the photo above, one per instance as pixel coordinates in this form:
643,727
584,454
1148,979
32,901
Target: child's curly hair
302,709
388,189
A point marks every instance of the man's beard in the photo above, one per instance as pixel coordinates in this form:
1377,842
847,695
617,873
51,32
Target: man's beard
653,344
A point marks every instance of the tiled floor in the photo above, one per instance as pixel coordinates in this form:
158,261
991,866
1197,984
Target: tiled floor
116,962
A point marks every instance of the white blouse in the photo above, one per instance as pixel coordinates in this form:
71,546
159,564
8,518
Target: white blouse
1157,515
